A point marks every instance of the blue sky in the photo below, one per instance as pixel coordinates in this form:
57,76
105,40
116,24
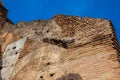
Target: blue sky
28,10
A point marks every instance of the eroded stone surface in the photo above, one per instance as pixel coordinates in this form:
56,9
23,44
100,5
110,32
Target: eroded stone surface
63,48
10,57
97,61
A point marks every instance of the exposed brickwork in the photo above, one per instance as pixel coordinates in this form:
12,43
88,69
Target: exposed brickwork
3,16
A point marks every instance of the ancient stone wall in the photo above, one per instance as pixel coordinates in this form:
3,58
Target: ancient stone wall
62,48
3,16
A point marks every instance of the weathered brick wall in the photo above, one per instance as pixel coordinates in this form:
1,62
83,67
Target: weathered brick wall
3,16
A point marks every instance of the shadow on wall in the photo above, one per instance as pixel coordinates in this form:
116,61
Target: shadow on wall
58,42
70,76
0,63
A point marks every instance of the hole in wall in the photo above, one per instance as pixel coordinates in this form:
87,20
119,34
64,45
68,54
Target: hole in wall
14,47
16,53
48,31
1,67
48,63
52,74
41,76
12,65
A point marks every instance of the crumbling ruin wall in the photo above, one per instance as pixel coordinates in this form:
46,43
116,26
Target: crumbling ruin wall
62,48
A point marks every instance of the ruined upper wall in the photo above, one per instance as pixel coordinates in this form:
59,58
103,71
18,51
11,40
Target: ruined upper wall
3,16
3,13
83,30
67,29
3,10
